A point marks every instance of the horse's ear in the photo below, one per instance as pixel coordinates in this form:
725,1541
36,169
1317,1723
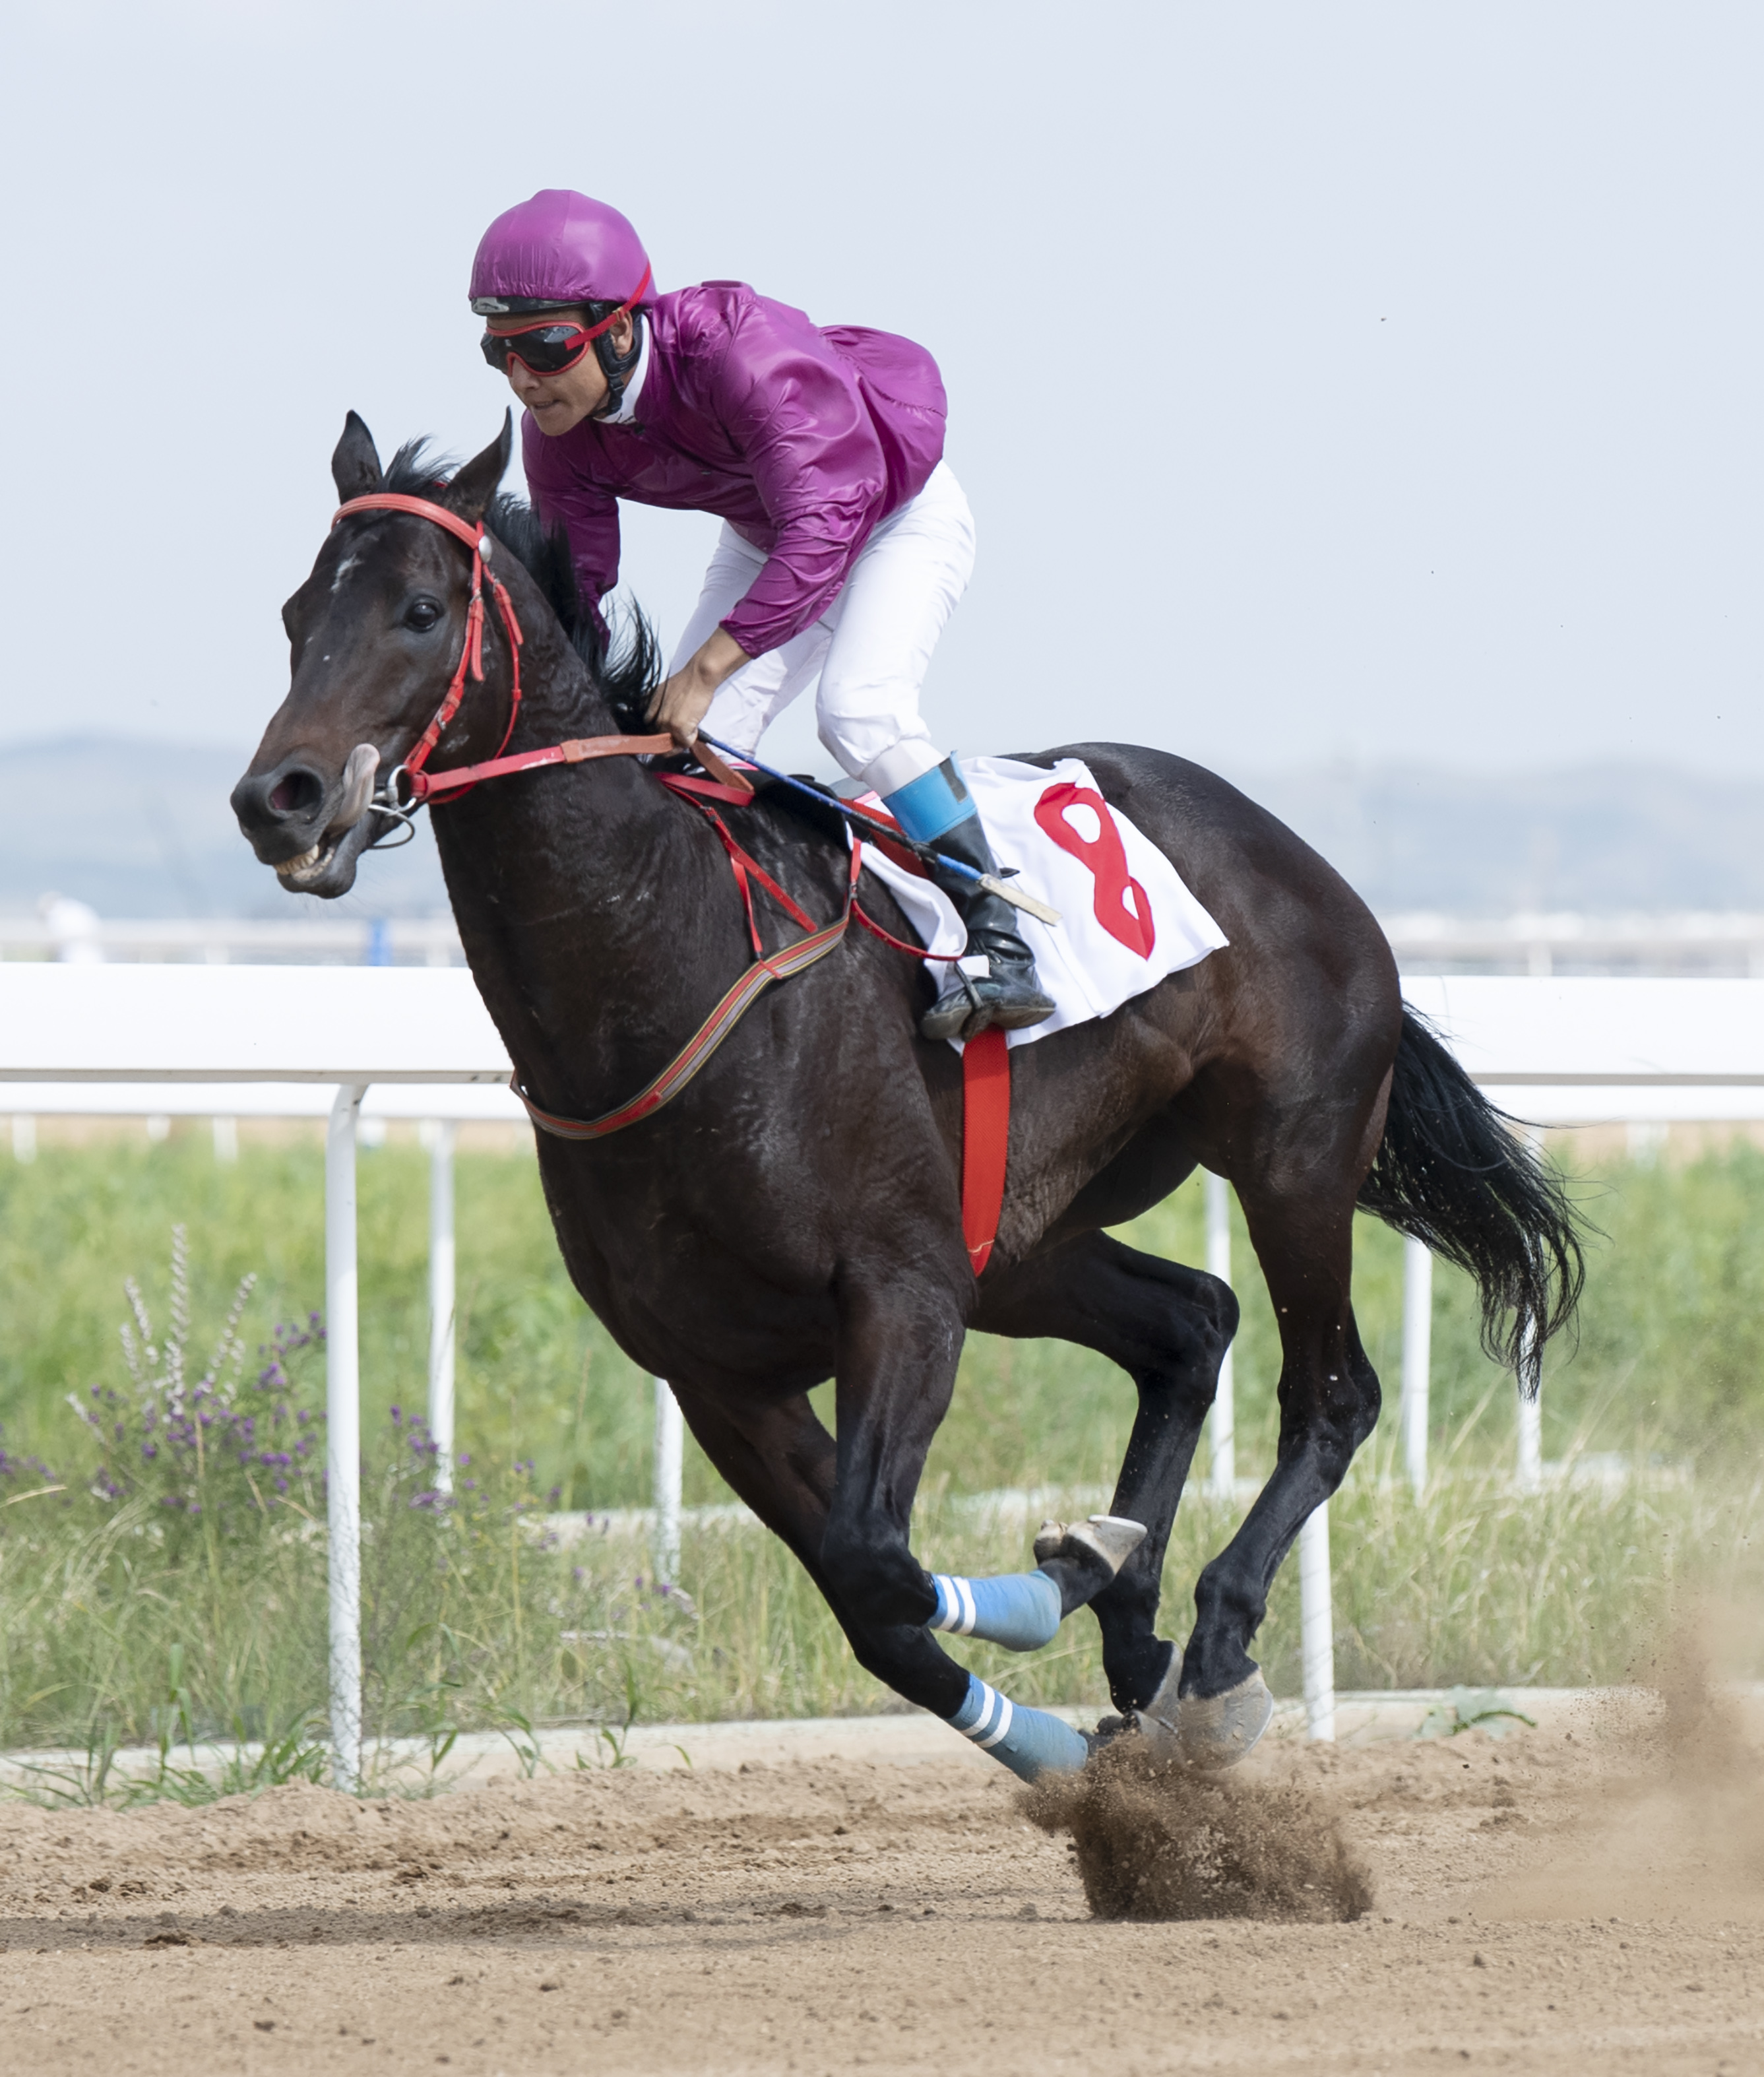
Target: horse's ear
470,492
354,467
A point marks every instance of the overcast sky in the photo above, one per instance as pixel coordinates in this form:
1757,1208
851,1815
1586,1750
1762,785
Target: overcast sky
1328,381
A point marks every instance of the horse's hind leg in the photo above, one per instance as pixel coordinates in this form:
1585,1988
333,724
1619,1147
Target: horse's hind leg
1168,1327
1328,1396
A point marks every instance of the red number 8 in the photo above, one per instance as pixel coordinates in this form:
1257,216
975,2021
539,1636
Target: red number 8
1128,923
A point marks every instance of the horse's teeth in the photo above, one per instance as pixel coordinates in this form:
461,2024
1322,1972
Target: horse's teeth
291,866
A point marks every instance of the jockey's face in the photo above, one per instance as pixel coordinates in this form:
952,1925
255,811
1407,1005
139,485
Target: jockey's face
560,402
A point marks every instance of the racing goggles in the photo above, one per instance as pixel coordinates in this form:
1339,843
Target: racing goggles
551,345
547,349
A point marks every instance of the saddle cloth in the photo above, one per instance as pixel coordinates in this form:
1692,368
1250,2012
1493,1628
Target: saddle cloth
1127,919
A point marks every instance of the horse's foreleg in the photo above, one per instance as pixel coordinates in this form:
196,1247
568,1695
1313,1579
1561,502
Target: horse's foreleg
777,1456
899,1346
1168,1327
1329,1398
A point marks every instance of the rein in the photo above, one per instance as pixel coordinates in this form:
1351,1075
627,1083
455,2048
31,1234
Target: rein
986,1076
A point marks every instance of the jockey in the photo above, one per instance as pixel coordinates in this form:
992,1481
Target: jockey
845,540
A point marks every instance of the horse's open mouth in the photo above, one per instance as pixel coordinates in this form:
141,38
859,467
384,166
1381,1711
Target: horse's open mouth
309,864
327,867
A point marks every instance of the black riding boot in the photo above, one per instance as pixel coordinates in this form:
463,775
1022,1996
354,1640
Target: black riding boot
1005,992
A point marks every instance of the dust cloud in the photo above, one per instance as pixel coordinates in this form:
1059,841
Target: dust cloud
1156,1840
1674,1827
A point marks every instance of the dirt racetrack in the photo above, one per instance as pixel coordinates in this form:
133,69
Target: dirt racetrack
1549,1902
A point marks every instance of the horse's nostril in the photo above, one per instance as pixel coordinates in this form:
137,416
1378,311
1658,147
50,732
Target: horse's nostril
295,792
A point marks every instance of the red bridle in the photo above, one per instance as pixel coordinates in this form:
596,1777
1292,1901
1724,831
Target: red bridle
423,786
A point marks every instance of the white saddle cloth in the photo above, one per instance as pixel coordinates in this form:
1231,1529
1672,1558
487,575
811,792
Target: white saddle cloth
1127,919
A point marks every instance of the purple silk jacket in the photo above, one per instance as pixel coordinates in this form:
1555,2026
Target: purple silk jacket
802,438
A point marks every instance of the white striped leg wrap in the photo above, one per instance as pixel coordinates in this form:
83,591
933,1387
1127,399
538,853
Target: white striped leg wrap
954,1605
994,1720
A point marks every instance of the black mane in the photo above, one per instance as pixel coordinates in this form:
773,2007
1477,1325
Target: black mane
628,675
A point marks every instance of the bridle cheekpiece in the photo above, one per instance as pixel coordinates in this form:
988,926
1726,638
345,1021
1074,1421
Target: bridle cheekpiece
422,785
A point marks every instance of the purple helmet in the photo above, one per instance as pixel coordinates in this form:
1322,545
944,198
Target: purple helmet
558,248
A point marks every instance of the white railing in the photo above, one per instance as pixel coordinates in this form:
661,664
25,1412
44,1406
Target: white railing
1541,944
146,1039
1538,943
72,933
136,1040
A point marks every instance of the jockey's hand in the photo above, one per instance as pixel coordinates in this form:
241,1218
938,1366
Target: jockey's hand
682,701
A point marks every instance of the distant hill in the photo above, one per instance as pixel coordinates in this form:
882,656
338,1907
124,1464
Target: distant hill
1599,839
144,829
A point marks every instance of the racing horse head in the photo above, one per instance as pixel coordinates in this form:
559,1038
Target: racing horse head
374,633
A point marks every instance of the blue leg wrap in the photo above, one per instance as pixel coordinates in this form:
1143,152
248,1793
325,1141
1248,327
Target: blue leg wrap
1030,1742
931,804
1019,1610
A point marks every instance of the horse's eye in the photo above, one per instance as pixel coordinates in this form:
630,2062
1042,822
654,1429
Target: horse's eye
422,614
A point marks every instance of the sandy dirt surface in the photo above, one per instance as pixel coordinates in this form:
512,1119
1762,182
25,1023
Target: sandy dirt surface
1551,1901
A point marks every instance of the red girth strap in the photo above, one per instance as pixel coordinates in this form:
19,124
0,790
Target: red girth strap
471,650
986,1133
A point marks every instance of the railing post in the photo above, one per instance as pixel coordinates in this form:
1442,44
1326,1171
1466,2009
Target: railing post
1222,1428
1417,1356
670,1449
342,1438
441,1133
1316,1625
1530,1465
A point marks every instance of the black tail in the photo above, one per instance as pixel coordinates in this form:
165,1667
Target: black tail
1451,1172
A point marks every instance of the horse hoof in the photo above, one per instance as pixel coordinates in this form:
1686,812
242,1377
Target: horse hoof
1158,1720
1214,1733
1224,1729
1111,1537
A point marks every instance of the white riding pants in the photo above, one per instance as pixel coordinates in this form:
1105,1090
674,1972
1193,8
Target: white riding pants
872,646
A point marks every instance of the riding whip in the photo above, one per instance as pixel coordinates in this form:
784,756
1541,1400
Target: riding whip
880,832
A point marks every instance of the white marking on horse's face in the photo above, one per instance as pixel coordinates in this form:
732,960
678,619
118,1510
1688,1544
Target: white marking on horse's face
343,568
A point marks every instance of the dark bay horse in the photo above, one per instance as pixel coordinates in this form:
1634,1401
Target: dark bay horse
794,1214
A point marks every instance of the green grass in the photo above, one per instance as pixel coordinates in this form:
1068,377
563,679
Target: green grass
122,1620
1671,1351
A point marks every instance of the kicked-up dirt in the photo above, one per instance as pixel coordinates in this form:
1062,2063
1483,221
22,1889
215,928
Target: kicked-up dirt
1552,1902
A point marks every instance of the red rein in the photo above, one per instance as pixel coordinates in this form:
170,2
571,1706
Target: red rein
985,1067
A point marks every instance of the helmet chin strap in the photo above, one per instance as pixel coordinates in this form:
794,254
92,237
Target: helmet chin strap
619,368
